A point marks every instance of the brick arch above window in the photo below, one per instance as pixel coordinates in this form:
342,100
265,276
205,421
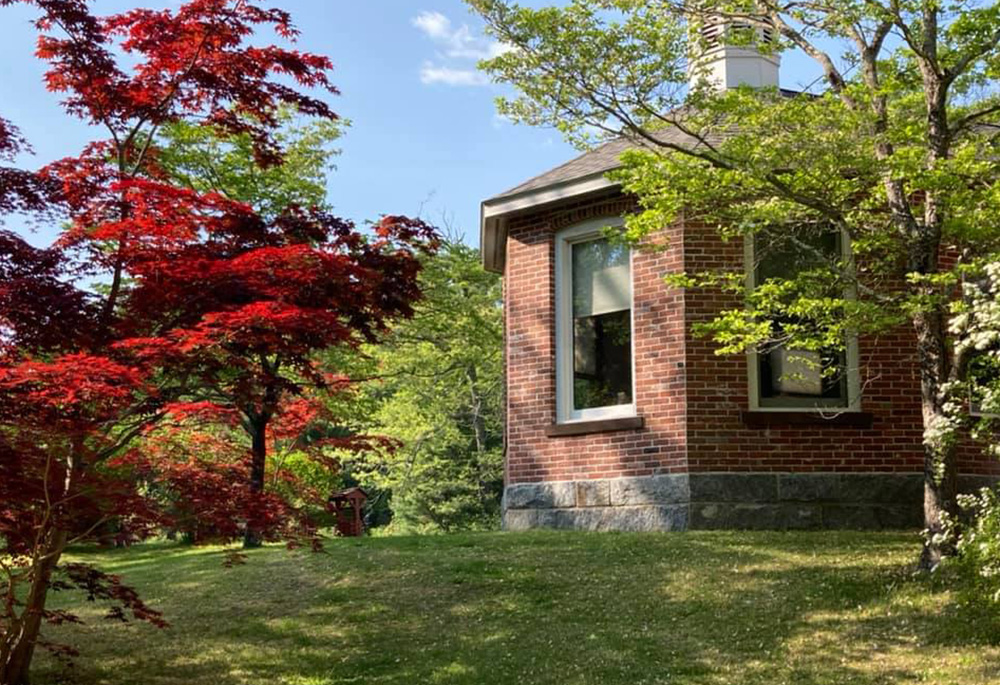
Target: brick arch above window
616,206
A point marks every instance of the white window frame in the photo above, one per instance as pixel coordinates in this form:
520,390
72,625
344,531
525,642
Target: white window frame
853,355
564,241
976,412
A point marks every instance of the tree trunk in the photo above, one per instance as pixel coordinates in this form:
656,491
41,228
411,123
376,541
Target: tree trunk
476,410
940,491
18,646
254,537
479,428
940,470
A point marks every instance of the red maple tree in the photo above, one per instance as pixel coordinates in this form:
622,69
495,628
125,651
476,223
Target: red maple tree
260,299
60,420
205,303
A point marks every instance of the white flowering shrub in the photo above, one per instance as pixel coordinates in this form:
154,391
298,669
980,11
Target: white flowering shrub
974,402
977,539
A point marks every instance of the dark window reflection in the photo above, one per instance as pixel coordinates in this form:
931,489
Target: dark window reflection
602,325
799,377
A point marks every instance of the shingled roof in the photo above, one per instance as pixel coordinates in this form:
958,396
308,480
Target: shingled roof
600,160
578,177
583,175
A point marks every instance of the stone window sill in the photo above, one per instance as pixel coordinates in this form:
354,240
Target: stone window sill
778,419
559,430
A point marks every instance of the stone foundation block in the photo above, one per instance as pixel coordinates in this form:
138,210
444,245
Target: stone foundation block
636,519
972,484
734,487
728,516
593,493
808,487
881,488
520,519
663,489
541,495
851,517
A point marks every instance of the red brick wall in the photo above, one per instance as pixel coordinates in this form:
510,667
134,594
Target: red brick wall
718,391
531,380
691,399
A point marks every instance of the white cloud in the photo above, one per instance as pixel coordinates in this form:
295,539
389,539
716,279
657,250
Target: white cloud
431,74
434,24
455,44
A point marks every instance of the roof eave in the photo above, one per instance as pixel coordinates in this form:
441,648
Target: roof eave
495,212
492,240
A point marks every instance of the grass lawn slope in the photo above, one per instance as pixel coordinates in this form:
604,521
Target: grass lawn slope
569,608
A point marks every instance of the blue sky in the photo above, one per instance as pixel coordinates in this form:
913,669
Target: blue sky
424,139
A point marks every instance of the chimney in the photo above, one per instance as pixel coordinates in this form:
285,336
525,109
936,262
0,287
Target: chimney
726,65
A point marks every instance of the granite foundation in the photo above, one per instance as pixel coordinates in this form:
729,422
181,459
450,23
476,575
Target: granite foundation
766,501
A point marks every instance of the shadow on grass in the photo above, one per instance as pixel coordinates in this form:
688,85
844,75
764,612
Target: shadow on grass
705,608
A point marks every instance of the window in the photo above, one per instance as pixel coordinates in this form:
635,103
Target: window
983,378
594,374
783,379
983,367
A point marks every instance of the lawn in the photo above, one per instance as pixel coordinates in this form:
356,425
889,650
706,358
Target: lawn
570,608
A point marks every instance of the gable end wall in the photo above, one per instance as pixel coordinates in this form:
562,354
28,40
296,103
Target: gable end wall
656,448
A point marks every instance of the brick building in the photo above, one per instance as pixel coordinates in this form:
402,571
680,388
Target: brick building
619,417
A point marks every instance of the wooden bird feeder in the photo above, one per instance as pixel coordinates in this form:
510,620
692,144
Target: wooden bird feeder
348,505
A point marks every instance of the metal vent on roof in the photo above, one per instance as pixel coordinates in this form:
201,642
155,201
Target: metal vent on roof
711,35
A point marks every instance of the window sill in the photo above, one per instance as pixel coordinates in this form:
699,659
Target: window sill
559,430
769,419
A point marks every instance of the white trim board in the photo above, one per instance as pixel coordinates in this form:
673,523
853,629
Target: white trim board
564,240
853,361
494,212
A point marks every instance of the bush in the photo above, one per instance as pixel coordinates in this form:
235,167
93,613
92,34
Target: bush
977,540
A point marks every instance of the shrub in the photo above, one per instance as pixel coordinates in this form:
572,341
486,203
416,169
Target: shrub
977,538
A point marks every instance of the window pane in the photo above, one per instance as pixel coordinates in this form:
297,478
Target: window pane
798,378
793,378
602,325
983,370
779,257
600,278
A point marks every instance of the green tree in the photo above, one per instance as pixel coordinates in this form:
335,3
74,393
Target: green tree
898,154
210,160
207,160
435,387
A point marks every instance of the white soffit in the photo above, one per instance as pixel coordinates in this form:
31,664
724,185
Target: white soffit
495,212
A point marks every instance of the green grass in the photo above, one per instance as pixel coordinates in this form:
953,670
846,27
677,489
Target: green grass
567,608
